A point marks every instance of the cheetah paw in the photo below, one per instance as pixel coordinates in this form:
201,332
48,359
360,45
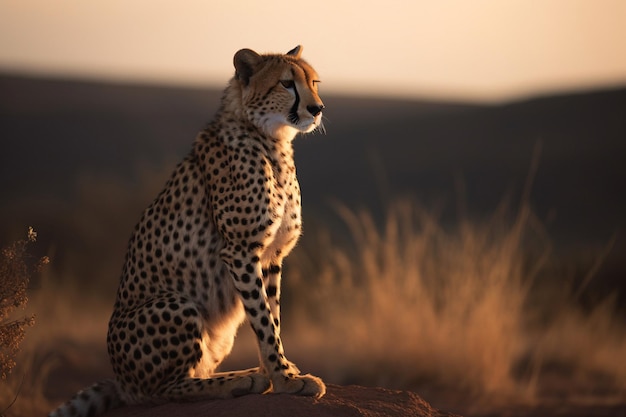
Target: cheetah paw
291,368
255,383
307,385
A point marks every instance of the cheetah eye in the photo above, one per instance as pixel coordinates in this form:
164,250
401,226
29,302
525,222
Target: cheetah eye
288,84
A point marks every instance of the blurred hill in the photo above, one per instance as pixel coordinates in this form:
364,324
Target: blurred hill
56,133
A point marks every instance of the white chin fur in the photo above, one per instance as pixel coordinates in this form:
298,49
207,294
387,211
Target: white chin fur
282,128
310,124
307,127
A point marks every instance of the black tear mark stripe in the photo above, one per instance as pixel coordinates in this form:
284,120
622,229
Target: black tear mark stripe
293,112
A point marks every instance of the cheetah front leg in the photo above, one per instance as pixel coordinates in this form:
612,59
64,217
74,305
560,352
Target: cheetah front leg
271,278
247,275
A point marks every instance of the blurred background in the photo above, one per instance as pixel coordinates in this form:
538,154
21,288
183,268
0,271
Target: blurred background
463,213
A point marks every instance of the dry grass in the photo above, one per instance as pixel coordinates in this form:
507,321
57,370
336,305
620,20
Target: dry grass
66,321
449,303
68,341
15,272
415,305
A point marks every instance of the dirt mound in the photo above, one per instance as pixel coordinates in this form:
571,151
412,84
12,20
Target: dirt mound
339,401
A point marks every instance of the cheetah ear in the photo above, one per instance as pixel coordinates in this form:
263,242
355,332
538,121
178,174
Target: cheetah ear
296,52
246,61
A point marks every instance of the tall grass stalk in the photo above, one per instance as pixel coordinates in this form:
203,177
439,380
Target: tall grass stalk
15,274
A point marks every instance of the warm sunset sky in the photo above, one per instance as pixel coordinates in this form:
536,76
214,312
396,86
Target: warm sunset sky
476,49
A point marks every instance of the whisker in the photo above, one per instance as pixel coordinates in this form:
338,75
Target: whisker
321,128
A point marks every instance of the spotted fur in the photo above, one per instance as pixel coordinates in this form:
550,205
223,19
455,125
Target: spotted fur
207,253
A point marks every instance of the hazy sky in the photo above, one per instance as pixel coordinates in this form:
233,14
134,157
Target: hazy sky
452,48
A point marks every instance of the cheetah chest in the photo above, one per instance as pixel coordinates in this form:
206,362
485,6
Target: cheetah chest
287,220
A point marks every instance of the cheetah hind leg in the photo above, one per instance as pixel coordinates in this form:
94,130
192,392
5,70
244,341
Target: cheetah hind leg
261,380
219,385
306,385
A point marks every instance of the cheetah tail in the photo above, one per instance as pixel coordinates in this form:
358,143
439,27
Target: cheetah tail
95,400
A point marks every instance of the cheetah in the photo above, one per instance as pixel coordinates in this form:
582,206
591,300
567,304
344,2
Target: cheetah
207,253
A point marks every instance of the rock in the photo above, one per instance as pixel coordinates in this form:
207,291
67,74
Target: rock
339,401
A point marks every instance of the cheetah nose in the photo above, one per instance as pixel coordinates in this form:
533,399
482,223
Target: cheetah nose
315,109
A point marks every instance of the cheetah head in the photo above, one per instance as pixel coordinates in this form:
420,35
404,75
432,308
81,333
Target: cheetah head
278,92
